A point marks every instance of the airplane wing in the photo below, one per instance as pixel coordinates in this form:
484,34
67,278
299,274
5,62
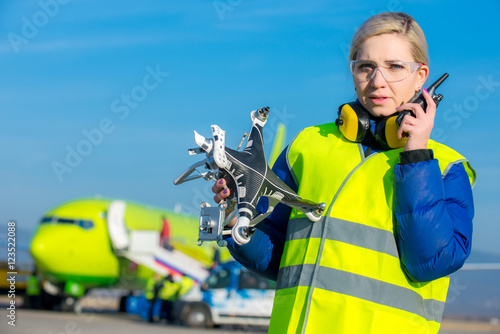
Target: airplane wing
481,266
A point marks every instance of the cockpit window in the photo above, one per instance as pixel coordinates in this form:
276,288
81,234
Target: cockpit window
86,224
46,220
83,223
65,221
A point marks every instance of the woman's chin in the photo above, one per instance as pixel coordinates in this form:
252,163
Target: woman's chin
381,111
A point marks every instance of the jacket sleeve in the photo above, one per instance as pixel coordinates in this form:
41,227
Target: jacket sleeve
434,218
262,254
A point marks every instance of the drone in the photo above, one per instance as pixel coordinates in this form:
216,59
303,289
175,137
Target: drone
249,177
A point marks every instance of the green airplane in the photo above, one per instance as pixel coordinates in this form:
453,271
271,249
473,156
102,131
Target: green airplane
95,243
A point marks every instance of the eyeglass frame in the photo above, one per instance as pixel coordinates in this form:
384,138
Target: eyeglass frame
414,66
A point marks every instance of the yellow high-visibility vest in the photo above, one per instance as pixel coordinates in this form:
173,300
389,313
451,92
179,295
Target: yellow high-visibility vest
149,289
186,285
169,290
33,286
343,274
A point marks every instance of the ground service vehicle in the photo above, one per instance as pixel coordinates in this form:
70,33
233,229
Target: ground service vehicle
232,295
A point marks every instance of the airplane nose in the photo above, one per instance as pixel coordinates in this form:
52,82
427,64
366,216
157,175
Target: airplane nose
45,249
37,248
38,251
54,251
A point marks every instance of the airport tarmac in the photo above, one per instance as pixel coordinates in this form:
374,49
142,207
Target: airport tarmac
99,317
49,322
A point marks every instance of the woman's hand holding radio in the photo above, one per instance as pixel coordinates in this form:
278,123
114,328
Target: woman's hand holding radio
418,129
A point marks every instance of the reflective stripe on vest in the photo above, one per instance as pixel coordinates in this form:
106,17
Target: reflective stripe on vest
343,273
364,288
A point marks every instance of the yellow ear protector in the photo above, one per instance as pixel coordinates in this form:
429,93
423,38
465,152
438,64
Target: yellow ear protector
354,123
386,133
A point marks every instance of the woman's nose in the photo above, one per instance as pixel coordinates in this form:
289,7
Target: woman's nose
378,78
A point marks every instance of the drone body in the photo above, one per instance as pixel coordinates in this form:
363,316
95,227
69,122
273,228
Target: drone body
249,177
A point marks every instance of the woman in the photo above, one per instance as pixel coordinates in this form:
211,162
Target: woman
399,219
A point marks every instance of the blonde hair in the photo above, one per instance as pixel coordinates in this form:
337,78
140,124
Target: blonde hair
391,22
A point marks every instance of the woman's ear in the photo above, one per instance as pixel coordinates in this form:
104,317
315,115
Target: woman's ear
422,74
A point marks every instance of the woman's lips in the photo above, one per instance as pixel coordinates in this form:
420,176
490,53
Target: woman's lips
379,99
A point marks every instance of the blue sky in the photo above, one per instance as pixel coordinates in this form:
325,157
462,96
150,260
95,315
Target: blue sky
123,84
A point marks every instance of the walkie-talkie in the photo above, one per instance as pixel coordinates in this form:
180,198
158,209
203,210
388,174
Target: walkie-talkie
421,99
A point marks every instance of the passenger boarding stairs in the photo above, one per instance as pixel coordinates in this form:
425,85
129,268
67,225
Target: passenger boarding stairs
143,247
